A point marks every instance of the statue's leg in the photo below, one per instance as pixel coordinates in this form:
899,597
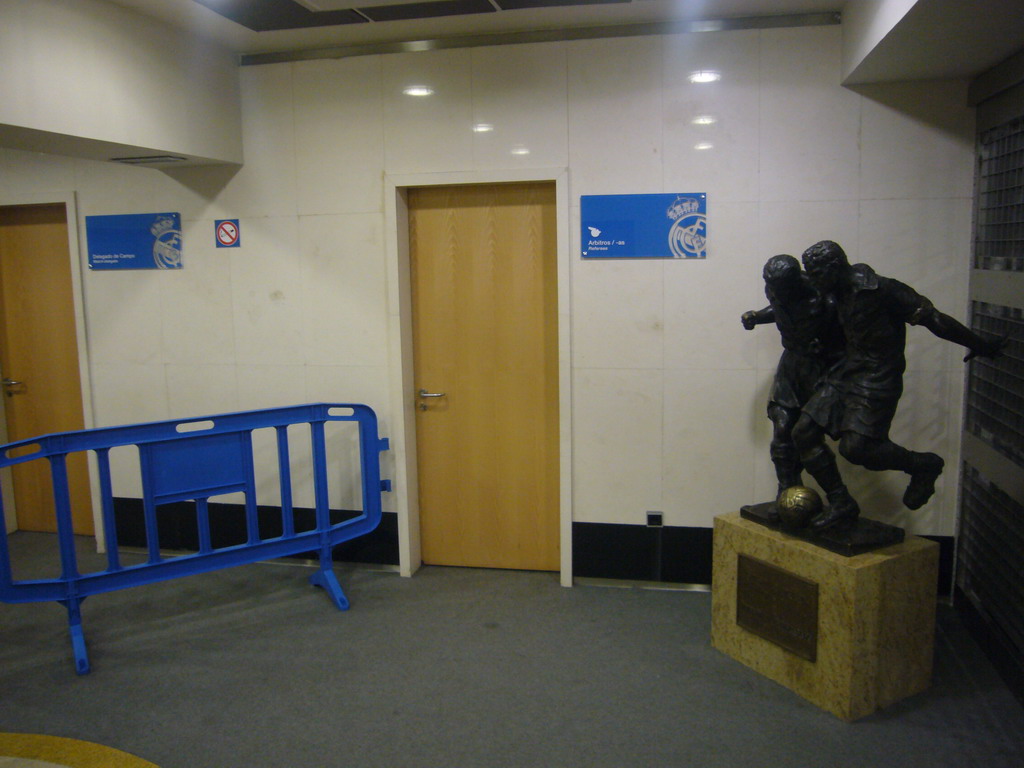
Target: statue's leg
784,454
878,455
820,462
928,467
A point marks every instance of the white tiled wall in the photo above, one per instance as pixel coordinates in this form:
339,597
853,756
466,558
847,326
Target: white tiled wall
615,116
729,170
810,129
522,93
339,135
668,390
428,134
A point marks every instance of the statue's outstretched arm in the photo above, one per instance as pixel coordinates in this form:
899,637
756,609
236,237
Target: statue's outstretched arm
757,317
945,327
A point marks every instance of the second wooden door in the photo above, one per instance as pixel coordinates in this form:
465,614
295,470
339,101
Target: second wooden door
485,321
42,390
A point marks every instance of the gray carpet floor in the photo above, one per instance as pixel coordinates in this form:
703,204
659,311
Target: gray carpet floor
253,667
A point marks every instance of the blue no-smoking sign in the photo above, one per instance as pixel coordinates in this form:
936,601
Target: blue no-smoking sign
228,233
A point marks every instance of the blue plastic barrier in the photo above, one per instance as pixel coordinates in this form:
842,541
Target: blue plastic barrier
194,460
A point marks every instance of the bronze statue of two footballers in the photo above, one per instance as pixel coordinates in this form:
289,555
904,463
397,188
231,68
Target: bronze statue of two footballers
843,329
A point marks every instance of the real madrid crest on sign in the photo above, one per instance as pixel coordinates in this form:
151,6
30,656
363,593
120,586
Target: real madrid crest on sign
644,226
687,237
166,231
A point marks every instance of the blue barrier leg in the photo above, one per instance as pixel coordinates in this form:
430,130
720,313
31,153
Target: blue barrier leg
77,635
329,581
324,577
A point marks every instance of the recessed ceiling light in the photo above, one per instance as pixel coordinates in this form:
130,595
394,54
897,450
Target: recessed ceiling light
418,90
704,145
704,120
704,76
520,150
483,128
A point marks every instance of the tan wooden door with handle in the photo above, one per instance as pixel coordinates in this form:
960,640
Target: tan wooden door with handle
42,389
485,328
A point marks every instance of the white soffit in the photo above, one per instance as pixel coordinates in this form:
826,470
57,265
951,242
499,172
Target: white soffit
942,39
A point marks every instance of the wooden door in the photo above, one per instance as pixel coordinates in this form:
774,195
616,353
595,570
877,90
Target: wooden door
39,352
485,330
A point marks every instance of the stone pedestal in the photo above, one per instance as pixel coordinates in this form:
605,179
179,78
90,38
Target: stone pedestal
871,640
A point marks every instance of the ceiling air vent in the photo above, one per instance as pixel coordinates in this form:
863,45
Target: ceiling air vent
149,159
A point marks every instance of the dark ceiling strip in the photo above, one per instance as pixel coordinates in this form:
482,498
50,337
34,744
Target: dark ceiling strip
270,15
517,5
547,36
427,10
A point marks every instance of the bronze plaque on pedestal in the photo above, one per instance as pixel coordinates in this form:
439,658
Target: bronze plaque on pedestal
777,605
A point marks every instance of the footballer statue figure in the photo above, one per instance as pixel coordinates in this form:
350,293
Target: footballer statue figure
812,342
856,400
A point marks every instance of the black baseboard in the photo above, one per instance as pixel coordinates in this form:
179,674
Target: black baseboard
642,553
1006,660
177,529
673,554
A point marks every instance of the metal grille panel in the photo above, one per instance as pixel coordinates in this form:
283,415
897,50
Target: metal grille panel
1000,217
990,547
990,542
995,387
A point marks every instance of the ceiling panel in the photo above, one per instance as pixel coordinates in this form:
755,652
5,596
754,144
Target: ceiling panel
428,10
276,15
511,5
272,15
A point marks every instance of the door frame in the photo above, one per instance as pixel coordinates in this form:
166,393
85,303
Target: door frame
400,350
70,201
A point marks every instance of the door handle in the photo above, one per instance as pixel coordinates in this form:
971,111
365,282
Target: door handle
424,394
10,384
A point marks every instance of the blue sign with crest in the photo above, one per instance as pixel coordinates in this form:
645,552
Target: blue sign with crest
134,241
670,226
